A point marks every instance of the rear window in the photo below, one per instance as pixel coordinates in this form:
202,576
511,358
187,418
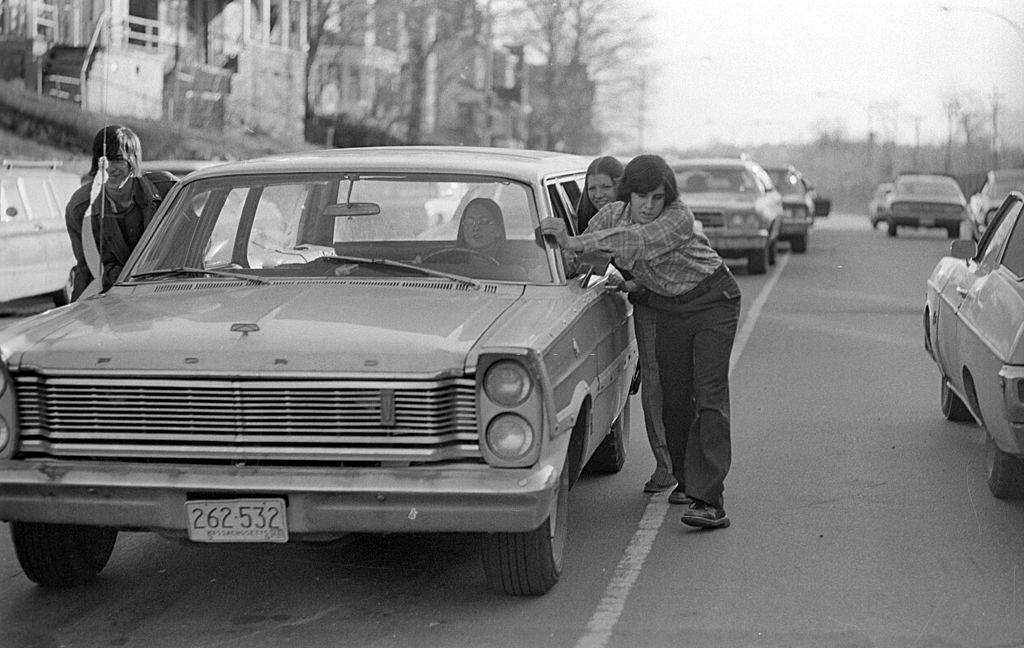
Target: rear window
700,179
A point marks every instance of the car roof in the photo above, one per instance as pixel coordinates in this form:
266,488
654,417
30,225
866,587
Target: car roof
1008,173
177,167
33,167
519,164
713,162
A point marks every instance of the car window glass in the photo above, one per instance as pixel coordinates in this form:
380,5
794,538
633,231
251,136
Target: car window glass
1013,254
989,256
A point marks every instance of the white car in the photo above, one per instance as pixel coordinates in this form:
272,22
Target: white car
34,246
983,205
974,330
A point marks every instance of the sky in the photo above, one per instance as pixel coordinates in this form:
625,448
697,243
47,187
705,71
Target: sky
768,71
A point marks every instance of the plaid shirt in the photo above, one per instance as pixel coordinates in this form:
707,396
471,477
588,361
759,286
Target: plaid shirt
666,255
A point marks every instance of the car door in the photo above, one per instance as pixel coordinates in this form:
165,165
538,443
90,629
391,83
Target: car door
990,316
604,329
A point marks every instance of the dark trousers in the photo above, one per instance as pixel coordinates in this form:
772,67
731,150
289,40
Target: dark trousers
693,343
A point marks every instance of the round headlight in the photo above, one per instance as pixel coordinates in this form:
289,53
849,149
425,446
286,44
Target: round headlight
507,383
509,436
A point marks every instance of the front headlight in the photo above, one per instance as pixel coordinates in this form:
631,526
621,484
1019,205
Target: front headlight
510,417
507,383
509,437
8,414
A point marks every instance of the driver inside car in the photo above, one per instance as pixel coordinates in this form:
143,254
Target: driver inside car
482,229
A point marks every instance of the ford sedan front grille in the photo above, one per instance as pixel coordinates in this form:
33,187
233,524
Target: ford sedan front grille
247,420
710,218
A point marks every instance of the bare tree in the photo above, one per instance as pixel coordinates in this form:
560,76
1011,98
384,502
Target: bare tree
590,50
428,24
326,18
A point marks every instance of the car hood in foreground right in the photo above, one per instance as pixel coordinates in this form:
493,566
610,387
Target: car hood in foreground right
427,329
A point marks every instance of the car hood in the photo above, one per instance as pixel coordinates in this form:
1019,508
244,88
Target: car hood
426,328
718,201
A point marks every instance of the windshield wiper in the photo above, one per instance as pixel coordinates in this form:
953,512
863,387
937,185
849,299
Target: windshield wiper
185,270
407,266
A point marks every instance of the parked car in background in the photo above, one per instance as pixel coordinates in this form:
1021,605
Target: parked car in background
974,330
287,356
878,207
35,251
737,204
926,200
800,203
982,205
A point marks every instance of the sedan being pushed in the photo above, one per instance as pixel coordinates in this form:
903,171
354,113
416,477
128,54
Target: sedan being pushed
926,200
974,330
306,346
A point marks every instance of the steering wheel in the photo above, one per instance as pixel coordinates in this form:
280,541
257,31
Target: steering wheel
433,256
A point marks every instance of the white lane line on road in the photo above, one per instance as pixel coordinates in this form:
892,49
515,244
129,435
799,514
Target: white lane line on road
613,602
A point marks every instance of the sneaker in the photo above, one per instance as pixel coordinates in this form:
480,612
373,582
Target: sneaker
653,486
705,516
679,496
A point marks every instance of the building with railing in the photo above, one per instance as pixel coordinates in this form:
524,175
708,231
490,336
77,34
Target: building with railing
207,63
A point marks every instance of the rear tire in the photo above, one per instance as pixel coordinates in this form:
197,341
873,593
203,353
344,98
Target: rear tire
529,563
1005,471
757,261
611,454
952,407
953,231
891,228
61,555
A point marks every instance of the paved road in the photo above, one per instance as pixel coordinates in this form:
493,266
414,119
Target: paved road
860,518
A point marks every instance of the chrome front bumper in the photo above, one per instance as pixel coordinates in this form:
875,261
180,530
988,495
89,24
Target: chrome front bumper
461,498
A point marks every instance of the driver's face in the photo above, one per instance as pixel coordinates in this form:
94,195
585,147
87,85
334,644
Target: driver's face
480,228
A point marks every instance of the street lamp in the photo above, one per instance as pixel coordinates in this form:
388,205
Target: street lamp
1017,28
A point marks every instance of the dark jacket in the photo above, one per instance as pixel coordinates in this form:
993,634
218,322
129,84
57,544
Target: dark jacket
121,232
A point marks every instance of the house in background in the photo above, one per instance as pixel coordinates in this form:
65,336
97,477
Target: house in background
235,65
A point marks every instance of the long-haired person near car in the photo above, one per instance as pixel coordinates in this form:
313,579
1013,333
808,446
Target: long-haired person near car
697,303
119,201
602,181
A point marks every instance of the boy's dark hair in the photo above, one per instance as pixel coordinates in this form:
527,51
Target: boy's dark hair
644,174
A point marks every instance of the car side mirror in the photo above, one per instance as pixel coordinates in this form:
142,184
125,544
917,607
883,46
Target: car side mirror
587,274
963,249
822,207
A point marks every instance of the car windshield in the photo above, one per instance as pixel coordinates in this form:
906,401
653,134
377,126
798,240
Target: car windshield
924,187
700,179
786,182
348,225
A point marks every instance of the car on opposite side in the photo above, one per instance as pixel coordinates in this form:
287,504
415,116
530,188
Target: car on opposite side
297,350
35,251
736,203
982,205
926,201
801,205
974,331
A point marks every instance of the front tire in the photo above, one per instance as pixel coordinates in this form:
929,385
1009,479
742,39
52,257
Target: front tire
799,243
891,229
1005,471
952,407
62,555
610,456
529,563
757,261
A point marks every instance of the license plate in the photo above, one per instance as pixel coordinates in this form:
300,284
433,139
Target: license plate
240,520
926,222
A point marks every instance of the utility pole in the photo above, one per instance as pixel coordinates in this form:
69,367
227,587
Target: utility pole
995,128
642,110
